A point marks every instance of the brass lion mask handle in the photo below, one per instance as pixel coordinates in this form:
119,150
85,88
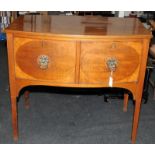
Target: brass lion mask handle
43,61
112,64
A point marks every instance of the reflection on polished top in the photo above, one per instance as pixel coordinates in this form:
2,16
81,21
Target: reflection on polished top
79,25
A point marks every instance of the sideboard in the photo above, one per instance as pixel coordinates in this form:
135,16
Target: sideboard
79,52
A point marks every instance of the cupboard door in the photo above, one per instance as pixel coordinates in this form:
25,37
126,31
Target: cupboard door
96,55
45,60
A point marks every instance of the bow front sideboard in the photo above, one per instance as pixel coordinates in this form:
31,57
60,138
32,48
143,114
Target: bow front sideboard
79,52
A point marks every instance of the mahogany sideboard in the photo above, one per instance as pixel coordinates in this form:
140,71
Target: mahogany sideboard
74,51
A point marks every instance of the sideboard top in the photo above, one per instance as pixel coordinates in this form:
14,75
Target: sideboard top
79,25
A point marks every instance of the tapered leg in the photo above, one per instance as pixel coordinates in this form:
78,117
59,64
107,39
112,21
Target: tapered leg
26,100
14,118
135,120
126,98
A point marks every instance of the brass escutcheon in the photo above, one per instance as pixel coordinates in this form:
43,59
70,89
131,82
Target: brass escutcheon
113,46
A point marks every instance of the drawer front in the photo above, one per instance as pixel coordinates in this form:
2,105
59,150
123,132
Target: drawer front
96,55
45,60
